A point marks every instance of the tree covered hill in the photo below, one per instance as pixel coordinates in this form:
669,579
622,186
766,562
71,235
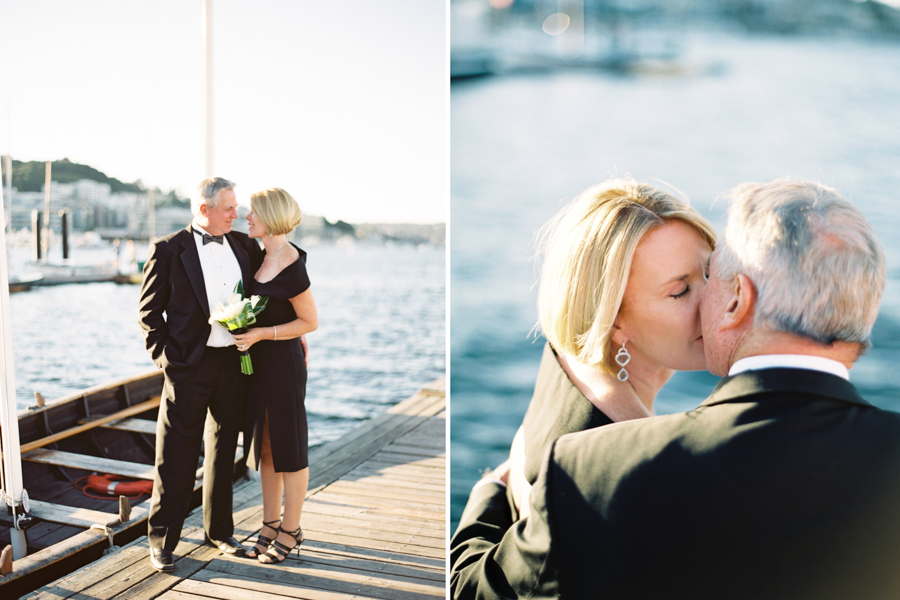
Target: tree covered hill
29,176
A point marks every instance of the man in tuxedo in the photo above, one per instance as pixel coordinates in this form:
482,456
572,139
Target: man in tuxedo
783,484
186,273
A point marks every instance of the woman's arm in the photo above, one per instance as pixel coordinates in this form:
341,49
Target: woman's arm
307,320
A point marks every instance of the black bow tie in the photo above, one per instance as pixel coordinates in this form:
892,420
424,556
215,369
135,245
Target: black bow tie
219,239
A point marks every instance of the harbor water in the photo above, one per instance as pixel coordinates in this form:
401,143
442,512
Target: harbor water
381,333
740,109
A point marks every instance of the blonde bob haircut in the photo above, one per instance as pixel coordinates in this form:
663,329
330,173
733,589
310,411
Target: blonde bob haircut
587,251
277,210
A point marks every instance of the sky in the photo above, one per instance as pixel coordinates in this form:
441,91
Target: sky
343,103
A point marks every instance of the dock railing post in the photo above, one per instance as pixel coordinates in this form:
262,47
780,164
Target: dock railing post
12,483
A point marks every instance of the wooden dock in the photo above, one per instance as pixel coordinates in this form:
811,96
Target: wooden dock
374,521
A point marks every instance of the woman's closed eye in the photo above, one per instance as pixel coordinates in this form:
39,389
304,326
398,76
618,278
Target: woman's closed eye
687,288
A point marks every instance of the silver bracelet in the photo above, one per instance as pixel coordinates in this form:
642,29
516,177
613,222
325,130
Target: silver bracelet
275,331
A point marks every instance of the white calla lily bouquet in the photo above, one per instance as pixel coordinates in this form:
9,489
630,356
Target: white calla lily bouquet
236,315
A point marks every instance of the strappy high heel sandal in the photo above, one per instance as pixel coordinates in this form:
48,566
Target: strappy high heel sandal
281,551
264,540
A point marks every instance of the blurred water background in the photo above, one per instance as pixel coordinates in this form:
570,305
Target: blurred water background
381,333
713,105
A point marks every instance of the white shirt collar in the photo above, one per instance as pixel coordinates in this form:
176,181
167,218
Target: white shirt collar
198,228
791,361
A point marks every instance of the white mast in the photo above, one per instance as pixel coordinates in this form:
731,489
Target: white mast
13,485
8,197
207,59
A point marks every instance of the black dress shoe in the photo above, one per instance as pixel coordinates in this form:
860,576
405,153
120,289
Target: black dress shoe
162,560
229,546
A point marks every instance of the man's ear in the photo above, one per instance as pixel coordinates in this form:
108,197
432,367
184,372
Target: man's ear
741,306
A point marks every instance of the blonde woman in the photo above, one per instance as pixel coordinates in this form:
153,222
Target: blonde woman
618,302
275,437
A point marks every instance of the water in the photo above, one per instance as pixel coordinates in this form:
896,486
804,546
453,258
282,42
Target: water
381,333
524,145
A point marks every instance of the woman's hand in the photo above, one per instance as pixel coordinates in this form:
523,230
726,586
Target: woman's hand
245,340
521,489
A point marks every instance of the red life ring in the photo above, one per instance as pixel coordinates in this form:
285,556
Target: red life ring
115,485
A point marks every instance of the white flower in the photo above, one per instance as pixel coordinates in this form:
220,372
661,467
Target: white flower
233,298
217,313
253,301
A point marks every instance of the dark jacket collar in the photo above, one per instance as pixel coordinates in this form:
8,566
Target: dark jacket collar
191,260
783,380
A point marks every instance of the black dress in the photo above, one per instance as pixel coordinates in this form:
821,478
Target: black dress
278,383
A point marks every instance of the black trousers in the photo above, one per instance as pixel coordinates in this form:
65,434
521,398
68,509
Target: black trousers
209,399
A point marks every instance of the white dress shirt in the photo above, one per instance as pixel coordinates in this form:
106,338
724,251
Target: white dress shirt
790,361
221,272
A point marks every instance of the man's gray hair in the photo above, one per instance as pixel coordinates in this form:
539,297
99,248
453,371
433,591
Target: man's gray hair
208,193
814,259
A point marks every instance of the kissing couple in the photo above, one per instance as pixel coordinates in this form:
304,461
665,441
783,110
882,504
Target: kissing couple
783,483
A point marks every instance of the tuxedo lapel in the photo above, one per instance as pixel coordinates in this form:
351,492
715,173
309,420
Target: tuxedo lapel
242,257
191,261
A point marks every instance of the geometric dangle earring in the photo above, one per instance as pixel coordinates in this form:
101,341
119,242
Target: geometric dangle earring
622,358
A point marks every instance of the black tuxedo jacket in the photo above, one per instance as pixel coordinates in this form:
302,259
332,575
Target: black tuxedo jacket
174,287
783,484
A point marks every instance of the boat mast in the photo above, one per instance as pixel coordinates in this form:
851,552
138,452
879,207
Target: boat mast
207,60
8,198
13,485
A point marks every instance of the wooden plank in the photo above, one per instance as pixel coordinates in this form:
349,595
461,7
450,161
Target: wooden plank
395,483
360,531
436,564
431,471
79,517
381,491
344,459
332,578
213,583
404,507
135,425
397,472
127,412
320,522
312,518
436,462
412,450
174,595
105,465
356,542
90,463
415,410
372,565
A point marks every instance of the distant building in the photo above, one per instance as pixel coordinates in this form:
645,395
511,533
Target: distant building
171,219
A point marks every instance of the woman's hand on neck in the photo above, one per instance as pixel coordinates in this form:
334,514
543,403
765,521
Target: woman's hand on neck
618,400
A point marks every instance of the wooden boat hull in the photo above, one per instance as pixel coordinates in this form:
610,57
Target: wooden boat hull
60,539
